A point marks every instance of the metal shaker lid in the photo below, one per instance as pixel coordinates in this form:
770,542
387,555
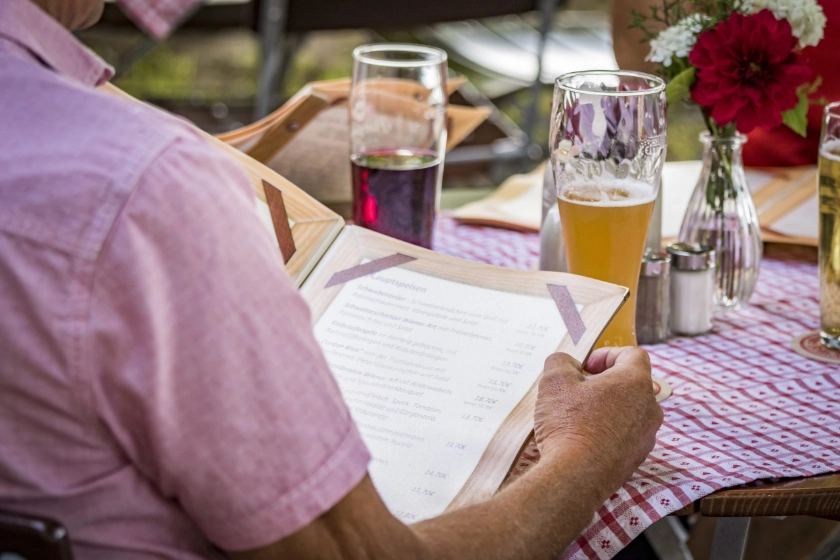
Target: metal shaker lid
691,256
655,263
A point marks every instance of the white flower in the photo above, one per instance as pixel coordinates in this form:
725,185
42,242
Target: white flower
677,40
806,17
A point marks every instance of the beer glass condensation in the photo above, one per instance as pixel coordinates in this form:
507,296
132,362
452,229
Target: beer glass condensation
398,138
829,227
607,147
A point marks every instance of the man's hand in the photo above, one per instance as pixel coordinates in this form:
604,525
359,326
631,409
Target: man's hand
609,419
592,431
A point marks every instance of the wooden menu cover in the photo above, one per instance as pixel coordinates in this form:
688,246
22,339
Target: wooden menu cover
316,96
307,140
790,188
344,305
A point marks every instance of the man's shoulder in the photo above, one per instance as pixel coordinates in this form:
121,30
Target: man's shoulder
72,157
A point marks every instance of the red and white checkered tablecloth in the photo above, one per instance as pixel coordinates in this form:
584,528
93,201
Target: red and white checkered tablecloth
745,406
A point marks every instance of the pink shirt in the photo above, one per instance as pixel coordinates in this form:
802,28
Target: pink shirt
160,386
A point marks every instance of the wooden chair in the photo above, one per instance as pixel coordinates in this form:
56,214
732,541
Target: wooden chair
25,537
734,508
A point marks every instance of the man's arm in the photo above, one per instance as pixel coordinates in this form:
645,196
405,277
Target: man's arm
592,433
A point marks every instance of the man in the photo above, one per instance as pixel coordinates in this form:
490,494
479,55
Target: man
161,392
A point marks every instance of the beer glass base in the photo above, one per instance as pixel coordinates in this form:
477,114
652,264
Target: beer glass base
830,341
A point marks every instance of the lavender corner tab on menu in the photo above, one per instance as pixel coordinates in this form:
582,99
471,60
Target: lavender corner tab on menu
367,268
568,311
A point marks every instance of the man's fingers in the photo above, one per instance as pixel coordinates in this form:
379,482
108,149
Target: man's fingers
604,359
561,363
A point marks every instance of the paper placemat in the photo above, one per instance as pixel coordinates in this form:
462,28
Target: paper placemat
785,200
516,204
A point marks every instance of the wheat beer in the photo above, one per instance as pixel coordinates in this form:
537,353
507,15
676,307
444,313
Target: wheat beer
604,229
829,193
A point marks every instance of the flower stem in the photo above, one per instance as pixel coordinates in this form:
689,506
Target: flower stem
720,179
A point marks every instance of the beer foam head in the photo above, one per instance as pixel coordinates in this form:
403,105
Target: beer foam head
608,192
831,150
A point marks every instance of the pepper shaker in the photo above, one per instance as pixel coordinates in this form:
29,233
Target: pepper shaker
692,288
652,307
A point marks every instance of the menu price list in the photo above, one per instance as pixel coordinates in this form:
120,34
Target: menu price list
430,369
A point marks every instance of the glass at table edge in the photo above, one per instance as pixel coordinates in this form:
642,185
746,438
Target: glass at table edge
831,111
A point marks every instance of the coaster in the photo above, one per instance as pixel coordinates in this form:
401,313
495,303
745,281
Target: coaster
661,389
809,345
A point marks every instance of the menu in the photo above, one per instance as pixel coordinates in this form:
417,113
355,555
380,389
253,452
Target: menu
430,368
437,357
326,177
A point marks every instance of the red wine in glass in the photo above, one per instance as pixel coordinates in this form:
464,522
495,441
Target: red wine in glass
395,193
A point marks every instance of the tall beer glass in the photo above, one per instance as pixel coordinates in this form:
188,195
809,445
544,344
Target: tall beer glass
607,148
829,194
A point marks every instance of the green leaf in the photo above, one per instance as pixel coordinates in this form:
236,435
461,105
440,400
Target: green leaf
680,87
797,118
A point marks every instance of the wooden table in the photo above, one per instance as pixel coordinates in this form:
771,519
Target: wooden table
817,496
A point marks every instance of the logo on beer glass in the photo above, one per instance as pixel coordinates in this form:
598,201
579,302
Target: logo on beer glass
612,137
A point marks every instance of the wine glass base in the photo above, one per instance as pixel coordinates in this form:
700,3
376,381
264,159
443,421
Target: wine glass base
830,341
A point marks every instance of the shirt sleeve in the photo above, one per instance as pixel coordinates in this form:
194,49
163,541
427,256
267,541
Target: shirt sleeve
203,362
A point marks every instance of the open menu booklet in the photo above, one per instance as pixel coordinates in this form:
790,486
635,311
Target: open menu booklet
437,357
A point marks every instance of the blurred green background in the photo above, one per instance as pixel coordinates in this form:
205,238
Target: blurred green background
210,77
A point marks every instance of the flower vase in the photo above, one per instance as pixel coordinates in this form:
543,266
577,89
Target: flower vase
722,214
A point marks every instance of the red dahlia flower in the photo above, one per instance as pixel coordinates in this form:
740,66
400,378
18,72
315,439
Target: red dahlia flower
748,71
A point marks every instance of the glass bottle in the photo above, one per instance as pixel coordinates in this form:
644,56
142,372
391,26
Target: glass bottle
722,215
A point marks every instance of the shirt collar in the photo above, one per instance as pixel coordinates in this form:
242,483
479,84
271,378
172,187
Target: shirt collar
23,23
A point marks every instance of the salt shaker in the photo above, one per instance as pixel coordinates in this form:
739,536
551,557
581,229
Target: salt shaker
652,308
692,288
552,253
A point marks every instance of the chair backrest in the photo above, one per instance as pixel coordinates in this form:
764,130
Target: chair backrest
322,15
316,15
25,537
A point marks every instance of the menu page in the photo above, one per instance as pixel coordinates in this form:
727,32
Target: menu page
430,369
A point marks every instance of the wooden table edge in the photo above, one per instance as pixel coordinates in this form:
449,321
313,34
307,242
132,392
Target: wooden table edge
817,496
